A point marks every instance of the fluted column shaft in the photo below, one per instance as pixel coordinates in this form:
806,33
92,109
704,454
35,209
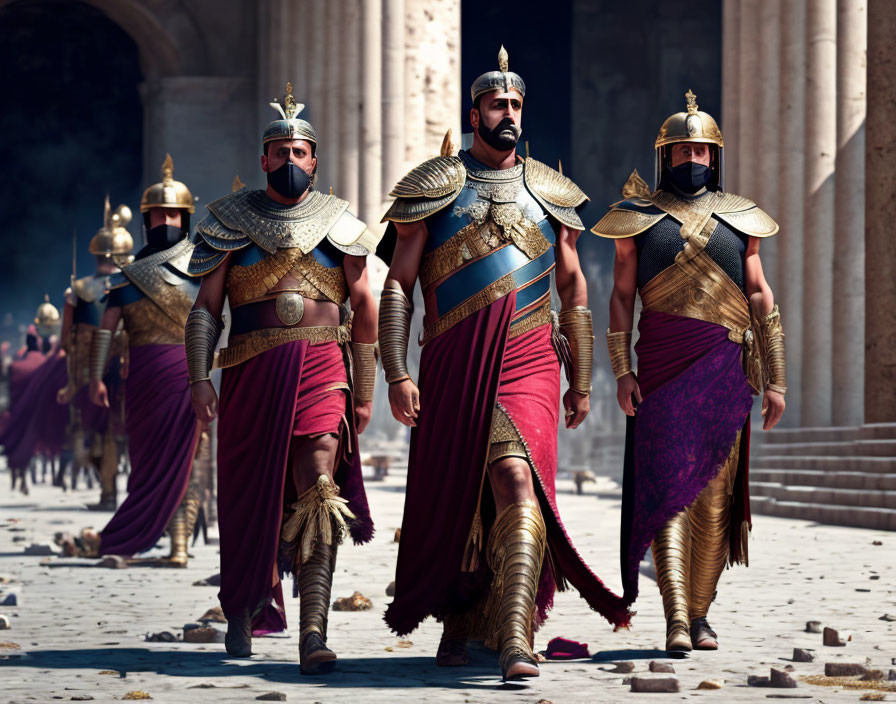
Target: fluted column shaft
880,200
764,159
745,141
821,147
393,91
730,86
371,195
350,110
849,229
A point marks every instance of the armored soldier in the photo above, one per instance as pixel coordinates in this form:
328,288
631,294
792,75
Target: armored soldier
152,297
709,334
296,387
91,429
482,544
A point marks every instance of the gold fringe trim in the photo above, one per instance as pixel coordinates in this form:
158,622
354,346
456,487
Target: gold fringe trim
318,510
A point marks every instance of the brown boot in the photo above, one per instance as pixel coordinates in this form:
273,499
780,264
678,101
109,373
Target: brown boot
238,640
515,552
452,650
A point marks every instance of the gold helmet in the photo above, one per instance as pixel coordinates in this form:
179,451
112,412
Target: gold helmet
692,125
47,318
290,126
112,239
168,193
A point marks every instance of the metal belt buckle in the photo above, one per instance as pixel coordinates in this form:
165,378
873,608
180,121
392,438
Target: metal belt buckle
290,308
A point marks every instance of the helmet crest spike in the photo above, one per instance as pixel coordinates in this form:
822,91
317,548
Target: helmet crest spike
692,102
289,125
168,168
503,60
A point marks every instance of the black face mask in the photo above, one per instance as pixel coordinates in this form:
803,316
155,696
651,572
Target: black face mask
163,236
290,181
494,137
690,177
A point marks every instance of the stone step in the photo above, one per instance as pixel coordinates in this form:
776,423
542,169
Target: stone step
824,495
878,431
789,435
855,516
859,448
866,481
823,462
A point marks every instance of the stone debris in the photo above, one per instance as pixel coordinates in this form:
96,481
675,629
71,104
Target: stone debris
663,667
9,645
109,672
832,638
202,634
4,623
397,535
81,698
136,694
872,676
813,626
40,549
711,684
758,681
271,697
11,599
113,562
213,581
355,602
646,685
213,615
887,617
404,644
803,655
390,590
877,542
844,669
891,675
873,697
623,668
160,637
781,679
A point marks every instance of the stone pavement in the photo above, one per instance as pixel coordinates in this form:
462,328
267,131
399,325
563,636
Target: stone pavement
79,631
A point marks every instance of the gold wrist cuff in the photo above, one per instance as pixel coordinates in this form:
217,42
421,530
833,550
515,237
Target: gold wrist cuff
200,339
772,344
576,327
619,344
363,370
394,330
99,353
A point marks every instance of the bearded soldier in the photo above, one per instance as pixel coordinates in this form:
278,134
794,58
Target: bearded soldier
482,544
709,334
296,389
92,429
152,298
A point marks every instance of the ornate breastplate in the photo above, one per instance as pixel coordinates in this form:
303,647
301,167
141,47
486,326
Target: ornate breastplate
317,275
492,240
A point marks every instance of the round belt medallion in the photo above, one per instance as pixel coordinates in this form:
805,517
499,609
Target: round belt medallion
290,308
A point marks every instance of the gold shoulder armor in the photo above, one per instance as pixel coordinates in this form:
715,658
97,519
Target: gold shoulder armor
622,222
745,216
427,189
559,195
351,236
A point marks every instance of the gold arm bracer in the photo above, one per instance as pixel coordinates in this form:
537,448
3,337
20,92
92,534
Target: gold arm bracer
364,370
576,327
200,339
772,344
394,331
100,343
619,345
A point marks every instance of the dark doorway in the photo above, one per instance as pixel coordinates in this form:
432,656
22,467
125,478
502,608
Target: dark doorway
537,41
71,130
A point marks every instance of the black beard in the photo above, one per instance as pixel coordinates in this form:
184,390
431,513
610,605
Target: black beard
503,137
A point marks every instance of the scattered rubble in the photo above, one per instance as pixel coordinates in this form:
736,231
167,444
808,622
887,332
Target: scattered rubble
844,669
803,655
623,668
113,562
390,590
40,549
355,602
271,697
160,637
663,667
202,634
213,615
4,623
781,679
654,684
832,638
813,626
711,684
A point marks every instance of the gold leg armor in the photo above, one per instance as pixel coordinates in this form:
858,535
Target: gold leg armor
319,519
671,555
709,517
108,473
515,555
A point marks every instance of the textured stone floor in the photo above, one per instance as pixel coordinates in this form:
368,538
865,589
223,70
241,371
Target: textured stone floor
80,630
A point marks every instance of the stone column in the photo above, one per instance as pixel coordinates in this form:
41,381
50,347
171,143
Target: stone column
371,197
415,118
730,87
764,153
317,39
849,223
328,128
393,92
350,111
821,147
747,137
880,203
791,156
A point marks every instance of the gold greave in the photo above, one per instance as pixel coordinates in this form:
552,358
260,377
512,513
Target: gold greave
315,583
709,517
177,530
671,555
515,554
